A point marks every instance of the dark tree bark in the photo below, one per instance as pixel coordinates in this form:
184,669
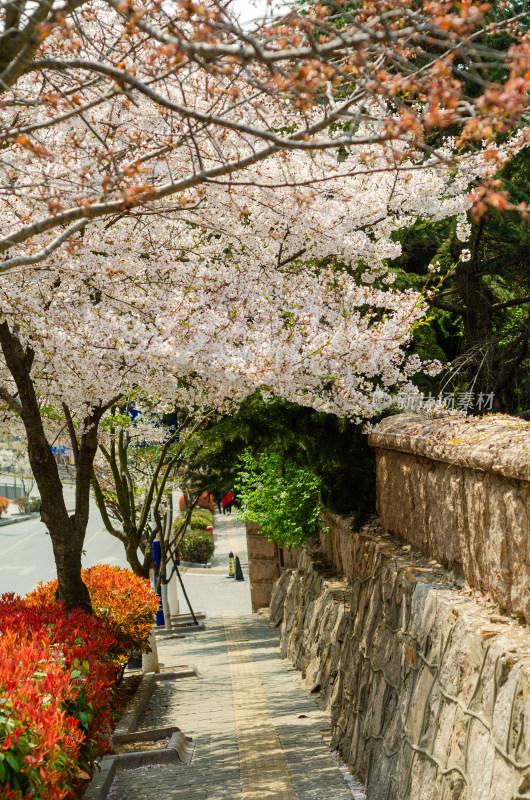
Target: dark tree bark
477,318
488,364
67,532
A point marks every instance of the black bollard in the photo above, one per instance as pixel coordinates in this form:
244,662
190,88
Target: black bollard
239,571
231,566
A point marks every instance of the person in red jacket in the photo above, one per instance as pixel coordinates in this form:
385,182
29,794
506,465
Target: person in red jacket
227,503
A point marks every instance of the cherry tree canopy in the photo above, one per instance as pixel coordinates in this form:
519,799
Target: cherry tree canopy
259,285
195,210
113,105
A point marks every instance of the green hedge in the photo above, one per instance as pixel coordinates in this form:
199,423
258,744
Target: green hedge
197,546
200,519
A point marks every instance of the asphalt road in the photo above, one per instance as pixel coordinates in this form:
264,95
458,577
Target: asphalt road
26,555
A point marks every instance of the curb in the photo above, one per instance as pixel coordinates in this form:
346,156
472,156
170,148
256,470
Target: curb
25,517
211,571
129,722
99,786
178,630
179,749
22,518
143,736
180,624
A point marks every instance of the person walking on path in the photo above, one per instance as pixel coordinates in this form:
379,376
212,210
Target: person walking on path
227,503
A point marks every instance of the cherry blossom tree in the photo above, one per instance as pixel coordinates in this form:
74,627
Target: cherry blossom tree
193,210
252,287
140,460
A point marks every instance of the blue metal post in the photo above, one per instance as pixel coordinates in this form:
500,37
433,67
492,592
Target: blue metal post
157,558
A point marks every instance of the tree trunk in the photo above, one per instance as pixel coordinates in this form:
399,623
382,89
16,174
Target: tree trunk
480,344
67,532
131,552
67,550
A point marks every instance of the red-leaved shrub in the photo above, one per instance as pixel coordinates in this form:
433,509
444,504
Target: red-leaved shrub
39,740
58,671
83,646
124,601
205,501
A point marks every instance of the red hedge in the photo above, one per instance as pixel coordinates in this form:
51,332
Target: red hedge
124,601
57,677
41,741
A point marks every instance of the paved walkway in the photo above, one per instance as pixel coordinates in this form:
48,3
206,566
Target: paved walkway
229,536
258,733
209,589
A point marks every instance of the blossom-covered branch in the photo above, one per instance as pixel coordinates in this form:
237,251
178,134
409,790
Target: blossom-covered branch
109,106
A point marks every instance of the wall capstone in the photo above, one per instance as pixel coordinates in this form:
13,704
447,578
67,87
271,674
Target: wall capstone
458,489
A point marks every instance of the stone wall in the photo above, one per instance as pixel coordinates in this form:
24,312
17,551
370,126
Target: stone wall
266,562
459,491
428,686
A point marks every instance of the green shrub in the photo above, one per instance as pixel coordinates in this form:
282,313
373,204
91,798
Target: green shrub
177,523
282,496
197,546
27,504
200,519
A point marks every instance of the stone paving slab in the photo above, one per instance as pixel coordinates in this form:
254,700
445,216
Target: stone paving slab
230,536
210,590
299,721
204,709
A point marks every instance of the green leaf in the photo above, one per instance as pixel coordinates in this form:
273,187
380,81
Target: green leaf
12,761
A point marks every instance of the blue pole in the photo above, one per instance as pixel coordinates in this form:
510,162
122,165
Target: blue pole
157,558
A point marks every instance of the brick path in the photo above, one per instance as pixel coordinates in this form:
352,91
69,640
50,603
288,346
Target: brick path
257,731
262,763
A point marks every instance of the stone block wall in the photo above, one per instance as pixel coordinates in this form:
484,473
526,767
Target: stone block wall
428,685
266,562
459,491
